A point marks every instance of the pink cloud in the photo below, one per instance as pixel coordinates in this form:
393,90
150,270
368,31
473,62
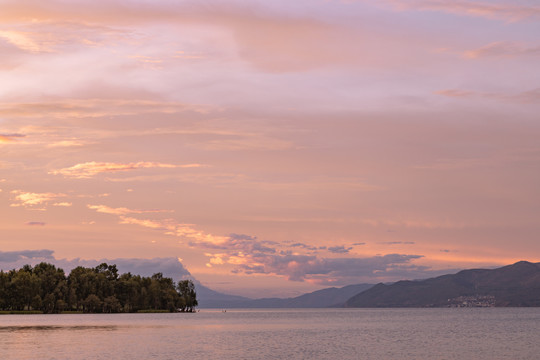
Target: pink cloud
455,93
269,41
93,107
531,97
504,10
502,49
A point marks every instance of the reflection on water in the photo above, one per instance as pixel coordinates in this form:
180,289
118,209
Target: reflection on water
272,334
38,328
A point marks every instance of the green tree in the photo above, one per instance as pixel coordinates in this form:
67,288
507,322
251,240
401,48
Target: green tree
4,288
53,286
188,296
111,305
99,289
92,304
24,287
81,283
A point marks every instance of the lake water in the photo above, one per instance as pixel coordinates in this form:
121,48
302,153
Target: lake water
491,333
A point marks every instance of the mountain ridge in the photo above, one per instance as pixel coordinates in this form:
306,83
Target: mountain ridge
511,285
328,297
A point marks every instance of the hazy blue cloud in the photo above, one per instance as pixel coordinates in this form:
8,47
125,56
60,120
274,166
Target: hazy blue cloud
336,270
170,267
35,223
27,255
397,242
339,249
304,246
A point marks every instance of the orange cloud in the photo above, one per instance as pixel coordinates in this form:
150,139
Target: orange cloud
25,41
122,210
93,168
63,204
32,199
93,107
65,143
7,138
146,223
169,226
48,34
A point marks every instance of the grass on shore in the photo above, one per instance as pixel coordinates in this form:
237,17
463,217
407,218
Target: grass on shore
36,312
20,312
71,312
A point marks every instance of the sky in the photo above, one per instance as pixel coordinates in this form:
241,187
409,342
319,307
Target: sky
271,148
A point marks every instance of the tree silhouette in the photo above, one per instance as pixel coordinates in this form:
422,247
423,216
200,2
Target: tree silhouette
46,288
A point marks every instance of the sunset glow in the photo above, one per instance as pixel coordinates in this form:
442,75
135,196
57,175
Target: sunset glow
276,147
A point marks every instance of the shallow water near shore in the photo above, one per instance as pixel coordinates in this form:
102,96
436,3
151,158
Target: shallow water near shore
466,333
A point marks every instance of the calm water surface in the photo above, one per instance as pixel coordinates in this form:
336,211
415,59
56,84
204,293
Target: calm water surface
277,334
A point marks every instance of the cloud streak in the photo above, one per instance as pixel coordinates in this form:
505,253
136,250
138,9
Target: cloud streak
35,223
510,11
502,49
90,169
122,210
529,97
92,107
7,138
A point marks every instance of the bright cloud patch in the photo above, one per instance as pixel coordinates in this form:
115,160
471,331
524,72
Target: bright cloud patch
122,210
89,169
32,199
63,204
168,226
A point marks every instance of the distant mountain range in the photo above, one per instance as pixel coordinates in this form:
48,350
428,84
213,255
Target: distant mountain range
209,299
512,285
330,297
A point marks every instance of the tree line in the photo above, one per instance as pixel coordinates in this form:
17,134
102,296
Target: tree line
101,289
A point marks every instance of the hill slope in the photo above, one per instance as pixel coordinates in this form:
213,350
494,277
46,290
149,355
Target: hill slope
317,299
209,298
512,285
